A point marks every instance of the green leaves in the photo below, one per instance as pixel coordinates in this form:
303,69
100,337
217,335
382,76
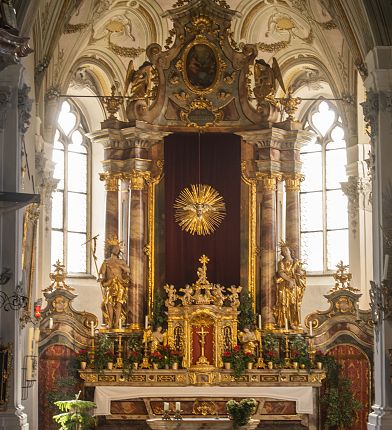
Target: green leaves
241,412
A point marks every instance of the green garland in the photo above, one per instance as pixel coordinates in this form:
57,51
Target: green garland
337,399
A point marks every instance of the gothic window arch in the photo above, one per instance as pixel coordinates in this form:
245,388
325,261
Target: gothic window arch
324,216
70,204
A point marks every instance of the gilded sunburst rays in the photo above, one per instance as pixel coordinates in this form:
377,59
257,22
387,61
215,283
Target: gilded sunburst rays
199,209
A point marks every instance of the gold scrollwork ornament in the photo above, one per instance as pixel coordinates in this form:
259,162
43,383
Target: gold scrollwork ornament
201,114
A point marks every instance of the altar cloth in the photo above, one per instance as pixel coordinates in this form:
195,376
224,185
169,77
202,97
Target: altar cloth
303,396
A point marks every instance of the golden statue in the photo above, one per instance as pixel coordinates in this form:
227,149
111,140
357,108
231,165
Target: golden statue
290,288
157,338
114,278
265,80
139,80
248,340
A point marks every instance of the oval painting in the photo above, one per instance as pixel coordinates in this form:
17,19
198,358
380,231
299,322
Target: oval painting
201,66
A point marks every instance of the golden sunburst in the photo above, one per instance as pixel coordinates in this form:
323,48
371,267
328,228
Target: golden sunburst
199,209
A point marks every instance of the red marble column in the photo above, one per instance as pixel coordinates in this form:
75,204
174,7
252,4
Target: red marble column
268,248
293,184
111,216
137,294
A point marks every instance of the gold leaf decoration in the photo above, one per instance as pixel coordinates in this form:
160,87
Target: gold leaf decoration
123,51
199,209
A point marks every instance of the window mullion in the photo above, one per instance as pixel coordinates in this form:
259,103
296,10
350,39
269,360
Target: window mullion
324,203
65,209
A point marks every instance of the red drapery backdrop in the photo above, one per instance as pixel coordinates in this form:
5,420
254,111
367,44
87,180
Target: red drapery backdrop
208,346
220,167
355,367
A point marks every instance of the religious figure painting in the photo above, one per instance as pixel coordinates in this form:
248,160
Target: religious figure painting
201,66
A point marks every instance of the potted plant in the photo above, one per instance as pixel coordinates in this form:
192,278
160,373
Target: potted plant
238,360
318,358
249,359
166,352
176,359
134,359
226,358
299,351
241,412
111,358
83,358
76,414
156,359
270,349
103,352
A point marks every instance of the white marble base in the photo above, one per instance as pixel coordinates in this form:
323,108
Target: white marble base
380,419
197,424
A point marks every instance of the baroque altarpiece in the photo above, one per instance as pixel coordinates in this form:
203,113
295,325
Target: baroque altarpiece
198,263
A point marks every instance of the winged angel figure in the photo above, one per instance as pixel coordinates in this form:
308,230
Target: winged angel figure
266,78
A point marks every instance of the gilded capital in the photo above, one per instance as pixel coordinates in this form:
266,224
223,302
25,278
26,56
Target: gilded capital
268,180
137,179
111,181
293,182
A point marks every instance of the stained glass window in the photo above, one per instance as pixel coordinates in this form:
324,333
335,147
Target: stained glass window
324,217
70,200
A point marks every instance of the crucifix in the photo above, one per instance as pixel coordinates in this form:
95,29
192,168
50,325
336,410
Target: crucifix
202,359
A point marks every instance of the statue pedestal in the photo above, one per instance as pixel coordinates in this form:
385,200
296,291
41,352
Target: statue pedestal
197,424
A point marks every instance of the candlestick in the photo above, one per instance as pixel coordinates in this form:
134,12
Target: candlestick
30,338
50,323
178,406
92,328
386,262
311,328
260,321
146,322
286,325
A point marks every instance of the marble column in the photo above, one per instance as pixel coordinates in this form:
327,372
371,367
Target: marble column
293,185
378,115
111,218
137,260
268,247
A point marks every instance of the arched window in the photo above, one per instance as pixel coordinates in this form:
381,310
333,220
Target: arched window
324,217
70,201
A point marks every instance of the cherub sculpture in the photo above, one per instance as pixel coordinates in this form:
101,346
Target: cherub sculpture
265,81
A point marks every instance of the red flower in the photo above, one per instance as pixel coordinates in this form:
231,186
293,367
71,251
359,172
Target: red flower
237,348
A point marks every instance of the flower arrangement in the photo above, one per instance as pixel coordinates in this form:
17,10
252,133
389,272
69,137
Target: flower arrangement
271,348
157,358
170,355
238,359
83,356
241,412
103,352
135,356
110,356
299,351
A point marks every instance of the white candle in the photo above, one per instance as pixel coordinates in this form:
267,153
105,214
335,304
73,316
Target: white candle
92,328
30,338
260,321
50,323
120,324
146,322
36,334
178,406
286,325
386,262
165,406
311,328
29,369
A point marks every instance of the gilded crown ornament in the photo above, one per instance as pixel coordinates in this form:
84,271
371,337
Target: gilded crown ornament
58,277
199,209
343,278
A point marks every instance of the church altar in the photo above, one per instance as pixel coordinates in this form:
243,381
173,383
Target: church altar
302,396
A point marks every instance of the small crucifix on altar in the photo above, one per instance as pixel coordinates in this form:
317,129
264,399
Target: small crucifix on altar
202,361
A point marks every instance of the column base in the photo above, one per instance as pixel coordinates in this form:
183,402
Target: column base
13,421
380,418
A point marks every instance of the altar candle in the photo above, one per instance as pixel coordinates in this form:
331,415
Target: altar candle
260,321
386,262
92,328
36,334
165,406
120,324
30,338
311,328
50,323
286,325
146,322
178,406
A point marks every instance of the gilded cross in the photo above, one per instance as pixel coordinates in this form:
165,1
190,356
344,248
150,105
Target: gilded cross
202,341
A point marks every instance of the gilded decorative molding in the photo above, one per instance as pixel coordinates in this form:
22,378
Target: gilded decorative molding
112,103
123,51
137,179
152,182
293,182
252,228
75,28
268,180
111,180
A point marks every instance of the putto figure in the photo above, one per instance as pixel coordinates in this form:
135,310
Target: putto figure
290,288
114,278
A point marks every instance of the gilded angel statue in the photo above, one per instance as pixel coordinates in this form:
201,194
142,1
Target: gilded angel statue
139,80
266,78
